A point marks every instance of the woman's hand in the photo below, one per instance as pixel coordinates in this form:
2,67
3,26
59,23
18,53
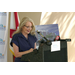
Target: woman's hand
31,50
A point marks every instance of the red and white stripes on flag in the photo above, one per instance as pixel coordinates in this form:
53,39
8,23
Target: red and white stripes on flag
14,23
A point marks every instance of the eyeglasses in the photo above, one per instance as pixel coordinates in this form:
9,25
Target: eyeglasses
28,26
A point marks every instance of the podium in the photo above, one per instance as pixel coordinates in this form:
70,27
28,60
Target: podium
35,56
44,54
56,56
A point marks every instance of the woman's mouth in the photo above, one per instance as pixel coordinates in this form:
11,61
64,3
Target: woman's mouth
28,31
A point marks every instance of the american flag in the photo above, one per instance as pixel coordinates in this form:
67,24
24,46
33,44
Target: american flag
14,23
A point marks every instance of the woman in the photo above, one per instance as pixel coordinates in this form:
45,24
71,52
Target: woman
23,40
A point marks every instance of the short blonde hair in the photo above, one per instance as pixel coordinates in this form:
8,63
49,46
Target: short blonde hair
22,23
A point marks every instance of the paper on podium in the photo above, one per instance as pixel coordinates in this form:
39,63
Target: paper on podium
55,46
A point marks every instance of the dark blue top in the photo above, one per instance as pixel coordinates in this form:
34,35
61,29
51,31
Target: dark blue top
23,43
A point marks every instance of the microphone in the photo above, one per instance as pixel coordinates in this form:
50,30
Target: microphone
42,35
48,42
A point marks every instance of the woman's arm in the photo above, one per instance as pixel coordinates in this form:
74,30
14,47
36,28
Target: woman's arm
35,46
19,54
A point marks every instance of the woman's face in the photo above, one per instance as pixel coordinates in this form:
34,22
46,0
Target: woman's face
27,27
